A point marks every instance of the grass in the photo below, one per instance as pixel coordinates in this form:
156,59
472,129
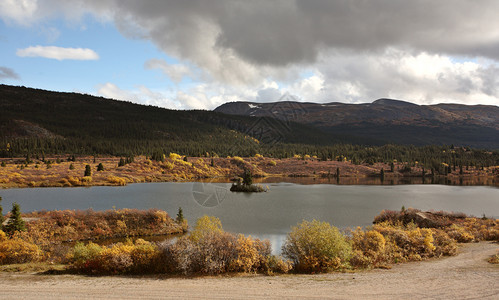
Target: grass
33,267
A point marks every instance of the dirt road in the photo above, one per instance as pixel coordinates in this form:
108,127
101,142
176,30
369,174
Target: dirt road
465,276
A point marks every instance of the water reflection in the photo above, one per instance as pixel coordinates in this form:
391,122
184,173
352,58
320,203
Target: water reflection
460,181
271,214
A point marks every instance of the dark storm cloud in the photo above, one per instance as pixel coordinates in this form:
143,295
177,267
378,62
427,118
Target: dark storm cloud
8,73
278,33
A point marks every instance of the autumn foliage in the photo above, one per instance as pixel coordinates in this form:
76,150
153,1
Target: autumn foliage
310,247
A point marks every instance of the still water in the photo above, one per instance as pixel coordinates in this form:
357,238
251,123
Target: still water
267,215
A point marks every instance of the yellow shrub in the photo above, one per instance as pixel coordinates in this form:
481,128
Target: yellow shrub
237,159
272,163
86,179
143,256
258,156
169,165
82,253
74,181
317,247
3,236
175,156
247,258
16,251
205,225
116,180
460,234
369,248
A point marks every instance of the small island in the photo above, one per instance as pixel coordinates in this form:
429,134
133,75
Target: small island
245,184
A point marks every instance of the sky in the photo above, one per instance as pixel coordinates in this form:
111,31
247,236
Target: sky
199,54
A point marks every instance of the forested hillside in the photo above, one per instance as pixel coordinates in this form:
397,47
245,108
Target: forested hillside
37,122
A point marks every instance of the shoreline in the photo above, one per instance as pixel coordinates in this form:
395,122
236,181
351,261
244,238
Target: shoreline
466,275
57,172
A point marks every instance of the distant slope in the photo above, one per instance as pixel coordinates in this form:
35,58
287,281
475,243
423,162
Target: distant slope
39,120
387,120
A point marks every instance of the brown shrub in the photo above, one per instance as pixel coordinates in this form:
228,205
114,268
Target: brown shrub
67,225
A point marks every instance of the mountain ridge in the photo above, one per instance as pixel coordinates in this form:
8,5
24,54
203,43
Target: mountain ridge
389,119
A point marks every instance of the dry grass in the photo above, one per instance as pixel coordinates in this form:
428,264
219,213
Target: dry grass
16,173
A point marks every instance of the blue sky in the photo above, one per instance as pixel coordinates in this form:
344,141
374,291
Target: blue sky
198,54
121,60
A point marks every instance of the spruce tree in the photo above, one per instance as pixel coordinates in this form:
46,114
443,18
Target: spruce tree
15,222
100,167
180,216
88,170
247,177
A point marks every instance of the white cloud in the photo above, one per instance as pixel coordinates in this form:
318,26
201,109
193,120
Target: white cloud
58,53
176,72
356,51
421,78
18,11
141,95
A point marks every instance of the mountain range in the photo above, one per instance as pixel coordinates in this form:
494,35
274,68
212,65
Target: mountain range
40,120
386,120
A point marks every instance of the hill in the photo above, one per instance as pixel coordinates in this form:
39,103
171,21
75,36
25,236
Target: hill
36,121
387,120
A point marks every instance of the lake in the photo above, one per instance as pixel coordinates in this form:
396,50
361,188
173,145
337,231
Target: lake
265,215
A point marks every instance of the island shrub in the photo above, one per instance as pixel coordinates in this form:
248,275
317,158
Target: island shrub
317,247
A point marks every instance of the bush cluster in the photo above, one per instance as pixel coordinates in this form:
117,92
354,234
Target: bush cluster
310,247
207,250
73,225
14,250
